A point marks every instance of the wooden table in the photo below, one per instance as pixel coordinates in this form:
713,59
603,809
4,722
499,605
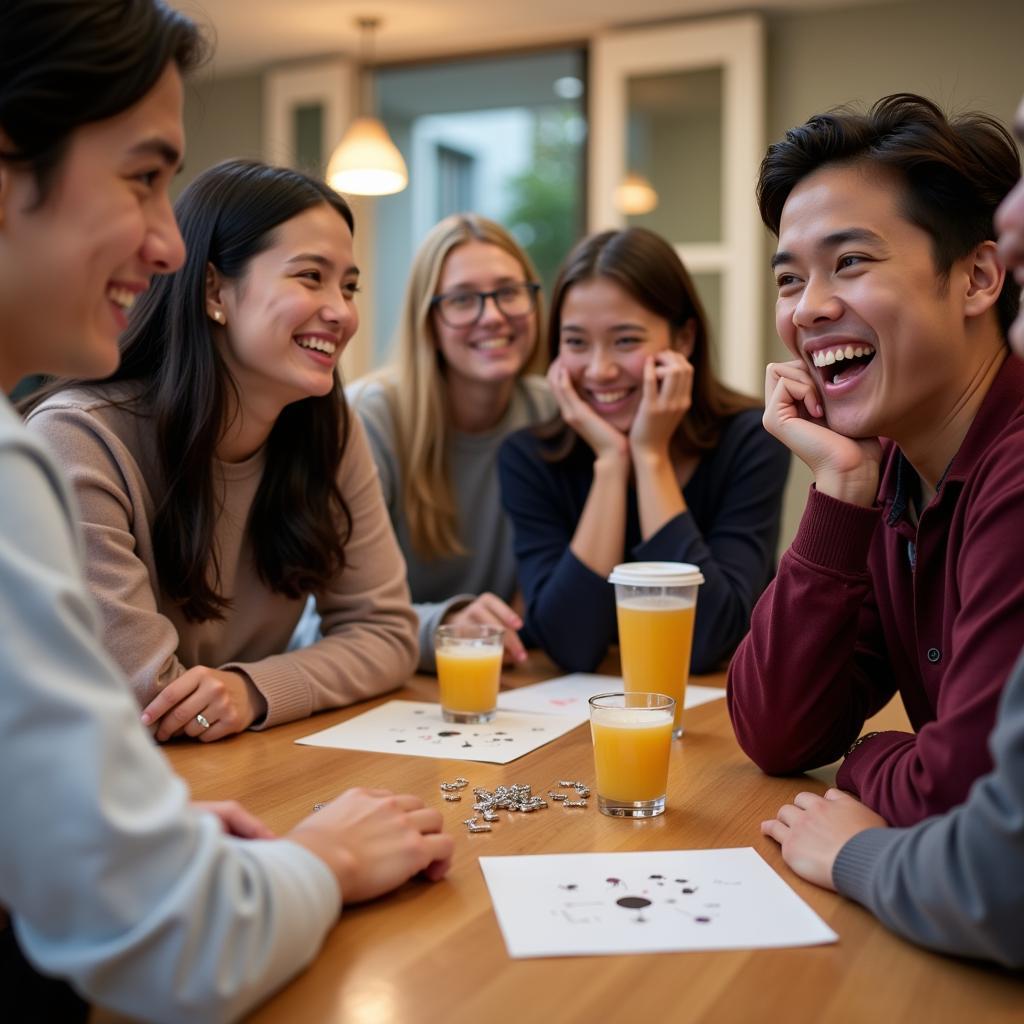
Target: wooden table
434,952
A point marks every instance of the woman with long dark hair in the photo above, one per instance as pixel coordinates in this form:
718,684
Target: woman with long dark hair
110,879
651,458
222,480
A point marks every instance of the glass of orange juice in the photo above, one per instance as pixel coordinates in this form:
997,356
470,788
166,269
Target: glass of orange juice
468,671
655,603
632,735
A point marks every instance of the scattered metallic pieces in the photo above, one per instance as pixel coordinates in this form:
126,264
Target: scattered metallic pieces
517,798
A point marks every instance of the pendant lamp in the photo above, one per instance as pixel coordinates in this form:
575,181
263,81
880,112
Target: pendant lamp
366,162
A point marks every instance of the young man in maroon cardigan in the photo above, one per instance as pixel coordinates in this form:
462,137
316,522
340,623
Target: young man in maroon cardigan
904,574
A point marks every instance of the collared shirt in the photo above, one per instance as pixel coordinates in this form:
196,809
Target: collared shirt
867,604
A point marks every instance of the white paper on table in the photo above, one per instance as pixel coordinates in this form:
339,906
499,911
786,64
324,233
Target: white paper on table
592,904
568,695
415,727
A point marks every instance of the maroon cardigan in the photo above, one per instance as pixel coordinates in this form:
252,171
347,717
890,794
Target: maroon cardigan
864,604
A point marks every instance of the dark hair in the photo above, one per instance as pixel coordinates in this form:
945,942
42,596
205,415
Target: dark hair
650,270
299,522
66,63
955,172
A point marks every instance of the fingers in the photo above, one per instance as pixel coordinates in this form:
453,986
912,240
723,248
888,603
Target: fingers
439,848
236,820
489,610
805,801
171,695
790,384
225,699
649,395
426,820
437,869
775,829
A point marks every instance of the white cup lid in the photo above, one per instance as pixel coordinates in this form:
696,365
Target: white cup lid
657,574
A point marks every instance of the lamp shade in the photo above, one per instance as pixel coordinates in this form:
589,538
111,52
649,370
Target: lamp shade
635,195
366,162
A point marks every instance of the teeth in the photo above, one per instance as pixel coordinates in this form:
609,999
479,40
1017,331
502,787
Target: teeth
609,397
827,357
123,297
320,344
492,343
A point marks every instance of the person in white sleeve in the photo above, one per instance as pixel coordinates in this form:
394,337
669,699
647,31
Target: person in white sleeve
115,889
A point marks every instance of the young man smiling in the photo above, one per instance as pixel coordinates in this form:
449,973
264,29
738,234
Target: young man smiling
901,400
955,882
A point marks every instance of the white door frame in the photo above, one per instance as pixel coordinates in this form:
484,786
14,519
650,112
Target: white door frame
736,45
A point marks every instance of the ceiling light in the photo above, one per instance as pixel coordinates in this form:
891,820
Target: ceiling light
366,162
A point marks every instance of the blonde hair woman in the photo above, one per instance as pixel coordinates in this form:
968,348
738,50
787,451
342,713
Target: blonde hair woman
464,375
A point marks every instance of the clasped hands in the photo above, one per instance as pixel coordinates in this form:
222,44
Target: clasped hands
228,700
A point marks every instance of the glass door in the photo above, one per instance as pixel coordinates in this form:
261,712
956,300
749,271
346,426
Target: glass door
677,134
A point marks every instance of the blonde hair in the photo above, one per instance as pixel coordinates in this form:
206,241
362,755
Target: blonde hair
415,384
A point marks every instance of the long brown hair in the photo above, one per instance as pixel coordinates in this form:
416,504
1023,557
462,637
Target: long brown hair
645,266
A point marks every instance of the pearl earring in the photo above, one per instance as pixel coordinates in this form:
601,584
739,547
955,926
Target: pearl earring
218,316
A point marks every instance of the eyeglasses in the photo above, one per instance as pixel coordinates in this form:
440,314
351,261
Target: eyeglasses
463,309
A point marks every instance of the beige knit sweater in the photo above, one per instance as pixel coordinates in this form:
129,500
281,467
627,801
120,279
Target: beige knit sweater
369,641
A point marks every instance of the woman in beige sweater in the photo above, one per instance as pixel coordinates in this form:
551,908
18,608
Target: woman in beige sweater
222,479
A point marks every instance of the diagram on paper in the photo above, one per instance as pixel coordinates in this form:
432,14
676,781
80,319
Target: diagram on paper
676,900
415,727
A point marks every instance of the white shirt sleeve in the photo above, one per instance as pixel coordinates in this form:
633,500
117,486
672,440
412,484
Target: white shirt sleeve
113,881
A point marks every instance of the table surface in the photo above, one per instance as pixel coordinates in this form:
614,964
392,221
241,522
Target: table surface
433,952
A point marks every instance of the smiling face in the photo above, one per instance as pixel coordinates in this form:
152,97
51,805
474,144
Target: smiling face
290,316
497,347
605,337
74,266
1010,225
861,302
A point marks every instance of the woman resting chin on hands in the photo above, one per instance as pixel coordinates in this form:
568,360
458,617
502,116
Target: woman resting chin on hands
651,458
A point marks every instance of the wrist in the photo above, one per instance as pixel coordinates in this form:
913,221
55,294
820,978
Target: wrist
612,464
649,456
861,739
256,701
858,490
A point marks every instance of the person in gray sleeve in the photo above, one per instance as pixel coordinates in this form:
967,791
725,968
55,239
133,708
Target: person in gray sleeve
114,887
954,882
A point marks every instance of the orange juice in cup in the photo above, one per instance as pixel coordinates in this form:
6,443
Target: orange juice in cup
655,604
468,671
632,734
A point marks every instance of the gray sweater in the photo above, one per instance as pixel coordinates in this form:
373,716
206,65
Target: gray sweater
112,879
955,882
440,584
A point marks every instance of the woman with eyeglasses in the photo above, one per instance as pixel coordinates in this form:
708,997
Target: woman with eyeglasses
651,458
461,380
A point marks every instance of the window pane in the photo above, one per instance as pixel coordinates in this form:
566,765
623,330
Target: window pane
502,137
308,120
674,139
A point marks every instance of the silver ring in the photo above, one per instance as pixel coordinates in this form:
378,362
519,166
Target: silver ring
203,722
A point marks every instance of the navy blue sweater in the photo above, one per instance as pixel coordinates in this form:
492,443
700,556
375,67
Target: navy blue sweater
730,529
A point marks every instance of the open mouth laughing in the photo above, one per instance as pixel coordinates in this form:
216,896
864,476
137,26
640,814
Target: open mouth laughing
841,363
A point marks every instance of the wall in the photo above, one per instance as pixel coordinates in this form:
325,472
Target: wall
223,118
